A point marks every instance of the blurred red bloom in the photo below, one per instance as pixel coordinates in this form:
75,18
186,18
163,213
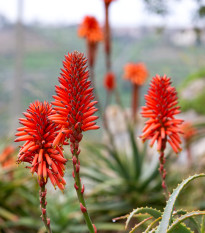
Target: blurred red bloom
136,73
188,131
90,29
161,108
109,81
38,133
74,103
6,158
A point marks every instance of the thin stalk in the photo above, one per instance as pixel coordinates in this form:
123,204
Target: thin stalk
43,208
162,170
135,101
80,191
107,39
118,99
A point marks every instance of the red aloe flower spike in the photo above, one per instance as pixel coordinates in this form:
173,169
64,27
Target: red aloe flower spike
162,127
74,106
78,109
39,134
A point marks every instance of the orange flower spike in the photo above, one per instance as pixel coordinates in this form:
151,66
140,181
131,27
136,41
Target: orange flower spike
189,131
161,101
109,81
137,73
90,29
39,134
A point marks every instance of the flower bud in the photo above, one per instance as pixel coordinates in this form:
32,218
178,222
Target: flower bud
74,160
76,187
83,209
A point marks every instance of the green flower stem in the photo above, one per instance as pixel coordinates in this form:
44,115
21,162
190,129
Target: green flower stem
80,195
43,206
162,170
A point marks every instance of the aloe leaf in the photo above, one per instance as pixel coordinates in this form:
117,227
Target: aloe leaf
183,218
136,155
182,228
152,224
116,156
149,174
8,215
167,215
139,224
100,155
144,210
194,222
202,224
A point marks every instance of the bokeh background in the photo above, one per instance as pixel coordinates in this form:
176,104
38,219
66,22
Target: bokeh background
168,36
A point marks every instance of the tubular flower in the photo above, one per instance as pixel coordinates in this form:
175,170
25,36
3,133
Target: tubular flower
90,29
38,133
109,81
136,73
74,103
161,108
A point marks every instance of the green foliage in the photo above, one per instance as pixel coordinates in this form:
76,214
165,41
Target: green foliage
192,77
196,103
157,6
170,221
119,180
201,11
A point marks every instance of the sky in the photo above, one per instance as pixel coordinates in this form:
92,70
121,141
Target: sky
128,13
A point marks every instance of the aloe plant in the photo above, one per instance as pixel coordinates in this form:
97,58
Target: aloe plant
171,220
119,180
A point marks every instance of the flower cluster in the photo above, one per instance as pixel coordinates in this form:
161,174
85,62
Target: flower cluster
90,29
39,133
136,73
109,81
74,103
161,108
